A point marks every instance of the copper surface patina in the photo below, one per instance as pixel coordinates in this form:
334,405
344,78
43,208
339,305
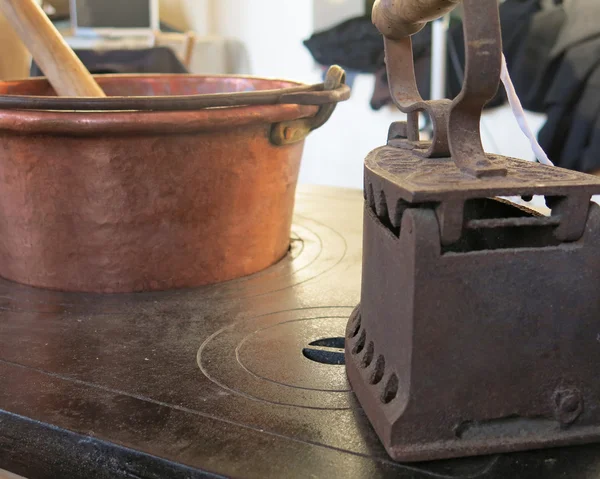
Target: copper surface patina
171,181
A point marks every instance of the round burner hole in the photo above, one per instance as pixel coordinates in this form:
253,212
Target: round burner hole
326,351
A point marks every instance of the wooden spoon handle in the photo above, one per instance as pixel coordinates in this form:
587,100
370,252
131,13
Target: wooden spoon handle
64,70
398,19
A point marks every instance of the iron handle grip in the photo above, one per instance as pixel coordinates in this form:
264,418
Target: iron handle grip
397,19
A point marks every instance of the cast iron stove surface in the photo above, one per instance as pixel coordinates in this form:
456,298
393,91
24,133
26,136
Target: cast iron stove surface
243,379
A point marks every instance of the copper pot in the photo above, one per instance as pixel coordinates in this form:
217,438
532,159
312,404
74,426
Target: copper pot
121,201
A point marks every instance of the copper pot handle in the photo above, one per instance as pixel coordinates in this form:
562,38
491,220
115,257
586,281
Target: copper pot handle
318,94
288,132
398,19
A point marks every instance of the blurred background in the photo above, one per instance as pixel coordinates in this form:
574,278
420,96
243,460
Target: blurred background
544,41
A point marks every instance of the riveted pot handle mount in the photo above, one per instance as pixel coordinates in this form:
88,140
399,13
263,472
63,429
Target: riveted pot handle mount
296,130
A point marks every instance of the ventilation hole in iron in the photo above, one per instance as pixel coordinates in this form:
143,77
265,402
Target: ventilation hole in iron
386,222
360,343
381,208
370,196
390,390
483,238
355,326
396,215
367,358
377,373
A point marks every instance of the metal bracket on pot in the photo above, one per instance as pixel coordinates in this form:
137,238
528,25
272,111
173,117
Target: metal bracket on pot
288,132
478,328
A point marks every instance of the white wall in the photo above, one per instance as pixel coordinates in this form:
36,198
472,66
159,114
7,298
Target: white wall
329,12
334,154
272,31
185,15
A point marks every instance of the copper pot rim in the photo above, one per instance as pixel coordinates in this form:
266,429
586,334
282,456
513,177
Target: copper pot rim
83,123
76,123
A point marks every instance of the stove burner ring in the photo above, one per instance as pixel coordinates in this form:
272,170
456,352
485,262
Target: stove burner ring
268,358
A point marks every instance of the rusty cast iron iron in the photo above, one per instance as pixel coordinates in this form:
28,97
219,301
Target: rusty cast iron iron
171,181
478,329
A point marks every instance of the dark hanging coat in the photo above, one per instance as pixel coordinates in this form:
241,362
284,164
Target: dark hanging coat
566,85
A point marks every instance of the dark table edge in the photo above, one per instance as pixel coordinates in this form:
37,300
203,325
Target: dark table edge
38,450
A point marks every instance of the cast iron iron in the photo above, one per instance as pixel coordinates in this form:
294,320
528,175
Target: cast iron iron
478,329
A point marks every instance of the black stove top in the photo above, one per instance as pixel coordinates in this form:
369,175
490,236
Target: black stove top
243,379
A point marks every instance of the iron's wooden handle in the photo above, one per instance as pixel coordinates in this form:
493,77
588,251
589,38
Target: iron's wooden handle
64,70
398,19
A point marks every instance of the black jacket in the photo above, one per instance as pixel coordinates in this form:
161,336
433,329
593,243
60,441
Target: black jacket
559,74
356,44
571,135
